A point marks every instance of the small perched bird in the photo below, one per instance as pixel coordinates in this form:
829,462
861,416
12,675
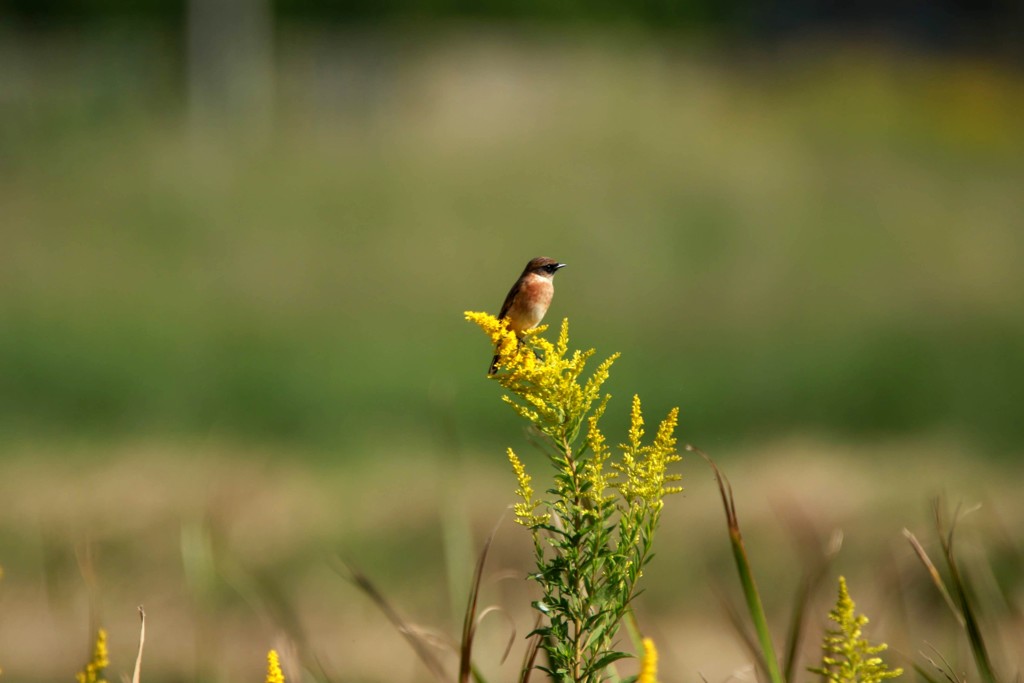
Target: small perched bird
529,298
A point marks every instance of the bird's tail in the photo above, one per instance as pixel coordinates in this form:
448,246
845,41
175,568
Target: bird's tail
494,365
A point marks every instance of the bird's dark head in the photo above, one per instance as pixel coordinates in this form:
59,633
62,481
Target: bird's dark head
542,265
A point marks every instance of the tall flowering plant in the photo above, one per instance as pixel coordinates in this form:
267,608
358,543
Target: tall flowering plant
593,530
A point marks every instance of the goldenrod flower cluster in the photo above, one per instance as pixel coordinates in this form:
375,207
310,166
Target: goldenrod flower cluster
93,671
848,657
600,516
526,510
545,380
648,664
598,478
645,468
274,674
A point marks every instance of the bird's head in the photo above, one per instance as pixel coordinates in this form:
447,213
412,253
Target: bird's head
543,266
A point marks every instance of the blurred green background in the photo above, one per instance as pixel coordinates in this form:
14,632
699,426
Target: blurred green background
821,238
257,226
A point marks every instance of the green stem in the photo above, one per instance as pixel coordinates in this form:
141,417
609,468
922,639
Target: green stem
754,606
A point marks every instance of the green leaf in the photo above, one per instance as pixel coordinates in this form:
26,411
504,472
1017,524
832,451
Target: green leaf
604,660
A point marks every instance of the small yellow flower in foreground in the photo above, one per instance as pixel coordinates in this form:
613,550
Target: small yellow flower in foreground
274,674
847,656
649,663
93,671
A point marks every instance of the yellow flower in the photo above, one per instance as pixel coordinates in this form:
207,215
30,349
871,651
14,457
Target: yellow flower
505,341
636,424
525,510
93,671
594,471
600,523
649,663
645,468
847,657
274,674
543,378
543,381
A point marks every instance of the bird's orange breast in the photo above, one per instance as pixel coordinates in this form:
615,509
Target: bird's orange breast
531,303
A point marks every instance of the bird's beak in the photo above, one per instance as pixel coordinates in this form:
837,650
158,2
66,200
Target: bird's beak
561,265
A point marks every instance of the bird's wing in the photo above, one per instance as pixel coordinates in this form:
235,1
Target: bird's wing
510,298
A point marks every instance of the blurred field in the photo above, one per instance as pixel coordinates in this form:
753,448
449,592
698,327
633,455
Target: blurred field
233,552
823,240
233,347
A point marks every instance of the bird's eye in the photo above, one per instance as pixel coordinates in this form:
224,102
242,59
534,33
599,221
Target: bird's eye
551,268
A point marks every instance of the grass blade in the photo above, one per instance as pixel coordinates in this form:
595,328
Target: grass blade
530,657
808,586
469,619
963,595
934,573
142,639
739,626
750,592
419,646
945,668
633,629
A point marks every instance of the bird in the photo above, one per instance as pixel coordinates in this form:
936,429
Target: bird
529,298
